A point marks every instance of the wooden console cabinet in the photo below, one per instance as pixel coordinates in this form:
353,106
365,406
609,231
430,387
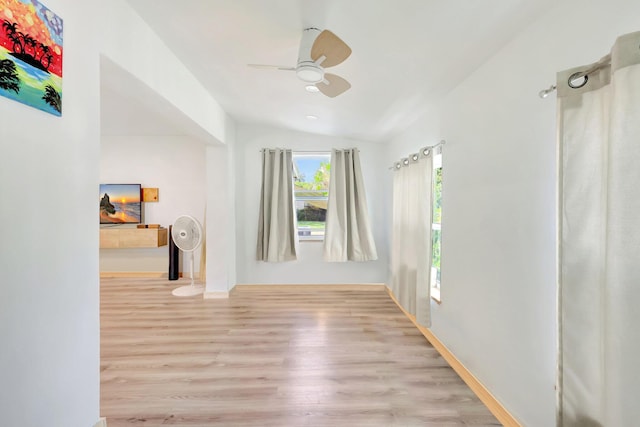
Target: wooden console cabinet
133,237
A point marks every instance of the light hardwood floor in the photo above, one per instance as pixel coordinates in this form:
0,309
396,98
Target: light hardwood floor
271,358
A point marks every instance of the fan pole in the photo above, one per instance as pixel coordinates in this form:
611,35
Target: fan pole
192,257
186,233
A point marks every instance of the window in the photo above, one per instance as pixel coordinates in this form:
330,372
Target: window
436,225
311,172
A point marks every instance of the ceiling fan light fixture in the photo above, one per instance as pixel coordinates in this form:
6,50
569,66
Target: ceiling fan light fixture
310,73
319,50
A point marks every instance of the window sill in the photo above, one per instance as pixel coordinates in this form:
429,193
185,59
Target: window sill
435,295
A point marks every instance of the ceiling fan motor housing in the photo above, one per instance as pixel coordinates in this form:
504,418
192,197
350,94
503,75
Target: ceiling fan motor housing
307,70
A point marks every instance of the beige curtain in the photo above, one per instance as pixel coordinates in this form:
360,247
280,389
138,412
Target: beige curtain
411,248
277,221
599,241
347,235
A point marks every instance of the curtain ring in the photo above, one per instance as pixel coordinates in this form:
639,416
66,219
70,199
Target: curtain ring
575,77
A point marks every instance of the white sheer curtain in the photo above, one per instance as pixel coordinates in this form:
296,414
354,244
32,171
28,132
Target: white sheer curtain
347,234
411,241
599,242
277,222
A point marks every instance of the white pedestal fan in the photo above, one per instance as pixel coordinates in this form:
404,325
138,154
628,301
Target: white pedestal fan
187,235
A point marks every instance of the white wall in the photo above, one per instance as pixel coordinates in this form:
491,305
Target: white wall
221,246
173,164
49,319
132,45
309,267
49,175
498,311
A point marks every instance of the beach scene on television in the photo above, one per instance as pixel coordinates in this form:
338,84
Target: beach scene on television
120,204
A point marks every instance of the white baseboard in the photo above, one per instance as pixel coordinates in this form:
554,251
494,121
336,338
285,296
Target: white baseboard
216,295
496,408
376,287
135,274
102,422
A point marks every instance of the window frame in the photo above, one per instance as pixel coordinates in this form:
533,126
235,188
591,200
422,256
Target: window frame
296,174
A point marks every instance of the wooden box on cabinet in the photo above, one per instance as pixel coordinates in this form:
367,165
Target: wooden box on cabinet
133,237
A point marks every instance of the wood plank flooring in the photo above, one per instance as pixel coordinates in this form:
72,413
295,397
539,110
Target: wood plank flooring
271,358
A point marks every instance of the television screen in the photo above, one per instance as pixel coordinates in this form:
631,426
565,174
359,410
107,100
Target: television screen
120,204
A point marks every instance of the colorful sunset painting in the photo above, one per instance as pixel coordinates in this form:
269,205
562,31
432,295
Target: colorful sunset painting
31,55
120,204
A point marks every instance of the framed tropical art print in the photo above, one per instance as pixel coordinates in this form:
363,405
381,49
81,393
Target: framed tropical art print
31,55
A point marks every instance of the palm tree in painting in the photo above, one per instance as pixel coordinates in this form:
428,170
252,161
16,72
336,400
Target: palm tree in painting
49,58
52,98
45,51
26,47
16,38
10,27
32,43
9,79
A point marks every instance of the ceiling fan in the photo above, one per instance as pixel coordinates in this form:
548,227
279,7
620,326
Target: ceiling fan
319,50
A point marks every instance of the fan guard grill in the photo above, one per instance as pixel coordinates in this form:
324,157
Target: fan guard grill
187,233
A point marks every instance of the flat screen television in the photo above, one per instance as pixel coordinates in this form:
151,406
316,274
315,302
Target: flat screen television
120,204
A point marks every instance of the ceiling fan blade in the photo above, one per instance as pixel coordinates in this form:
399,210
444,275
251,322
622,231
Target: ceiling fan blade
271,67
331,47
333,85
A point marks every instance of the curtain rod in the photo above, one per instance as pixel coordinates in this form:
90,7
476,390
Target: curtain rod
307,151
423,150
606,60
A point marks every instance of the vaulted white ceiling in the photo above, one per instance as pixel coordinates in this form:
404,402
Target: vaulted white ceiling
406,54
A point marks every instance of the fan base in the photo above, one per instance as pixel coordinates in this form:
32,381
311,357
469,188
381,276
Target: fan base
188,291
